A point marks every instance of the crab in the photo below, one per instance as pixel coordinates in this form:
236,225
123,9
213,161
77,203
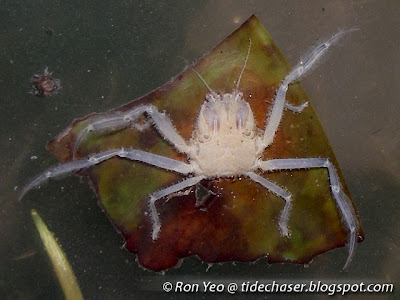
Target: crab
225,143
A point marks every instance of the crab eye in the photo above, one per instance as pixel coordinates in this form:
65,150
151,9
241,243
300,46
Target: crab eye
211,117
239,96
241,116
209,97
213,97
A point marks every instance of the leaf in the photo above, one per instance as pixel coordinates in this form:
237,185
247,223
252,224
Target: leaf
233,219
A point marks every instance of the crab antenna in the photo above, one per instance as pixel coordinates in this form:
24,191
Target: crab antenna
212,92
244,66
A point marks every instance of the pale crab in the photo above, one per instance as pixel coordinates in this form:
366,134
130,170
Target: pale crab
224,143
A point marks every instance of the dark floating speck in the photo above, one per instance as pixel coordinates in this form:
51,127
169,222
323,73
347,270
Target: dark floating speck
44,85
49,31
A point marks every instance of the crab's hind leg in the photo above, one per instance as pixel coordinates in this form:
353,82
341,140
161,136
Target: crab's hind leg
131,154
165,192
284,219
343,202
123,120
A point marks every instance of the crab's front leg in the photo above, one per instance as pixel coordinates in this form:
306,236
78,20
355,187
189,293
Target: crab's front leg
296,109
120,121
300,70
343,202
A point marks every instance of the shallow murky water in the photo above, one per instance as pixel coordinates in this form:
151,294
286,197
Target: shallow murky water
112,52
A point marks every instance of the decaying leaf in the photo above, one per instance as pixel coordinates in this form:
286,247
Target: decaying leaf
238,218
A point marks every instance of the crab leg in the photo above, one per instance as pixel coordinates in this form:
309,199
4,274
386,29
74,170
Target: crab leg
343,202
296,109
165,192
117,122
283,220
300,70
136,155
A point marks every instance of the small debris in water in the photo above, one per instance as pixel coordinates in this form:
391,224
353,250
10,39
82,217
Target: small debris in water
49,31
44,85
